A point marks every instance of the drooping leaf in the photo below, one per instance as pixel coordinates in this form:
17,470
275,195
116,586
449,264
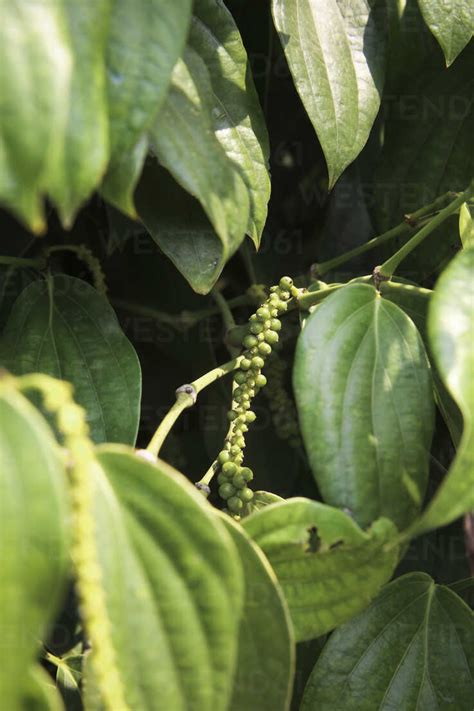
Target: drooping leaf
173,584
412,648
336,53
452,23
186,144
415,301
364,394
145,41
451,328
266,645
64,328
466,225
237,117
328,567
34,85
427,145
33,538
84,142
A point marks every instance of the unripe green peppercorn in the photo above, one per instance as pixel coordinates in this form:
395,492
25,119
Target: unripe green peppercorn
286,283
234,504
245,364
275,324
263,313
247,473
223,456
231,415
271,337
245,494
222,478
226,490
264,348
239,481
235,450
250,416
257,363
249,341
240,377
256,327
229,468
261,380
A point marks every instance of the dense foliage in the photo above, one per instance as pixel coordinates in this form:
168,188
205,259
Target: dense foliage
293,527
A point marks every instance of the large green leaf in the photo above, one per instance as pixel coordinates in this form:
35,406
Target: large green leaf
41,693
336,53
364,394
428,139
237,117
146,38
186,144
328,567
415,302
451,329
466,225
33,538
412,649
266,645
64,328
84,150
451,22
173,584
34,86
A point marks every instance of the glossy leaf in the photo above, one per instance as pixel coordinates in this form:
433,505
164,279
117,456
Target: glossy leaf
41,694
185,142
265,664
415,301
34,85
364,395
145,41
34,538
173,584
451,328
64,328
328,567
412,648
452,23
428,136
466,225
84,150
237,117
336,53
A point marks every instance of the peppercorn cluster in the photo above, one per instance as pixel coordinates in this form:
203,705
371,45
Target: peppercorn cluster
282,407
258,343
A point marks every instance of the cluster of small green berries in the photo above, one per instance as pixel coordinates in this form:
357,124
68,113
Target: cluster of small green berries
281,405
258,343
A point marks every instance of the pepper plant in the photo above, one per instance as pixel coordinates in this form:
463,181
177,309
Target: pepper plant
281,515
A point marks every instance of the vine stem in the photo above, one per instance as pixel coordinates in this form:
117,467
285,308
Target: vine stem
404,227
38,263
227,318
186,396
388,268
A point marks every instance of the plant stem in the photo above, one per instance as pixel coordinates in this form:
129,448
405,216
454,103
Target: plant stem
403,228
38,263
388,268
311,298
183,320
186,397
227,318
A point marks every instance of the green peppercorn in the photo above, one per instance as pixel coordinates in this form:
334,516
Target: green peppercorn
247,473
245,364
275,324
257,363
223,456
271,337
229,468
261,380
256,328
245,494
231,415
239,481
249,341
234,504
240,377
286,283
235,450
264,348
263,313
226,490
250,416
